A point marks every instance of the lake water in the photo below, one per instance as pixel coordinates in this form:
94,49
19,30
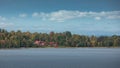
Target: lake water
60,58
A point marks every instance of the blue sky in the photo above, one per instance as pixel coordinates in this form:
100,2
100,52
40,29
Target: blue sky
86,17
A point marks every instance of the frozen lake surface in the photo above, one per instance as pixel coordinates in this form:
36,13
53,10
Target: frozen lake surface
60,58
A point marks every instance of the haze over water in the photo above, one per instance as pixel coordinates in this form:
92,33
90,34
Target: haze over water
60,58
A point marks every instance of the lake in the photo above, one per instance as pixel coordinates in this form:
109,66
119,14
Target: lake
60,58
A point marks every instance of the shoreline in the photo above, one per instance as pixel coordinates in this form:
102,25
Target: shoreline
54,48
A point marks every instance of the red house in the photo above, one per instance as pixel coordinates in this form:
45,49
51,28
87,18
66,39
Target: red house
40,43
43,43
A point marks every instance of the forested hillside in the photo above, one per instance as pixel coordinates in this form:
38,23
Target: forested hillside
66,39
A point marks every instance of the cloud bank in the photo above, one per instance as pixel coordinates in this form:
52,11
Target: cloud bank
6,25
63,15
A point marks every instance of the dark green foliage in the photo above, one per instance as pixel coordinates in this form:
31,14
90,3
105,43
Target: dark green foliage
66,39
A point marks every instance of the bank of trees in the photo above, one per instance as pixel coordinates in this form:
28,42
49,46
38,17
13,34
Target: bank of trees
66,39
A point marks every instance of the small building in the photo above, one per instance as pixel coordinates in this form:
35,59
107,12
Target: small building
40,43
43,43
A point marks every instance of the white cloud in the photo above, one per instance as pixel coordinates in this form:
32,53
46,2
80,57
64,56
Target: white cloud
113,17
59,16
97,18
5,25
63,15
35,14
23,15
2,18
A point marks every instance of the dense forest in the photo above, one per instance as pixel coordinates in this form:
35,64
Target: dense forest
19,39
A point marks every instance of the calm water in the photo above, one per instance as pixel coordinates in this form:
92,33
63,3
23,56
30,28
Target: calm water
60,58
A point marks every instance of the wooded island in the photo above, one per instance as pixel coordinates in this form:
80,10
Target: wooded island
19,39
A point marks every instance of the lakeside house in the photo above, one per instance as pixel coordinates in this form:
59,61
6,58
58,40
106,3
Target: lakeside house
43,43
40,43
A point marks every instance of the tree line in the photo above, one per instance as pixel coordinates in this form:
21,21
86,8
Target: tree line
19,39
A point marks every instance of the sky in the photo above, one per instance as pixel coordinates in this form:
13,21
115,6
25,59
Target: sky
84,17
